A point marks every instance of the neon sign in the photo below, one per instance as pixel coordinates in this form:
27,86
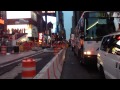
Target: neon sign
40,37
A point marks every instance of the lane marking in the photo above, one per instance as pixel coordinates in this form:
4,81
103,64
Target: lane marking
38,59
19,60
12,73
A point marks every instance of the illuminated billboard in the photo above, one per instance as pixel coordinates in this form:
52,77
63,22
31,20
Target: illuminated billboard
40,38
18,14
40,35
27,28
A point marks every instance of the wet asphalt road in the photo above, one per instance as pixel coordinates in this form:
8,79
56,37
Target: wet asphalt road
72,69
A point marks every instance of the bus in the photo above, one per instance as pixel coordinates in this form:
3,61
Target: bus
90,29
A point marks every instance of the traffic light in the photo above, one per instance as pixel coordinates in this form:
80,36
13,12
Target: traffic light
50,25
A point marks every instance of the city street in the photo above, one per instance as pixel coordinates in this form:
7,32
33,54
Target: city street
72,69
13,70
94,36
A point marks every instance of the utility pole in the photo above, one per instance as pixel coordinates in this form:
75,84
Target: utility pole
46,19
46,23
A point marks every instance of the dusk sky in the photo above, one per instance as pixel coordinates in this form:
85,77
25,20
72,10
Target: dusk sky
68,22
53,20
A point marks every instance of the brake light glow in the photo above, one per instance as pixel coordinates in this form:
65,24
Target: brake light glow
118,38
84,52
88,53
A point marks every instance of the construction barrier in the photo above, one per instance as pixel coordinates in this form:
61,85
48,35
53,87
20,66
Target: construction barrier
21,48
54,68
3,50
56,50
28,68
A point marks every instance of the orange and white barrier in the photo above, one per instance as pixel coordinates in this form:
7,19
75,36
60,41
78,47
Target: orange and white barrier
3,50
28,68
59,63
53,69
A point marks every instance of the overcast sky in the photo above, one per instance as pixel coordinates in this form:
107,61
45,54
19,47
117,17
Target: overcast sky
68,22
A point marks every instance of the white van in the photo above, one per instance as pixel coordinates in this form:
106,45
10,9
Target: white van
108,57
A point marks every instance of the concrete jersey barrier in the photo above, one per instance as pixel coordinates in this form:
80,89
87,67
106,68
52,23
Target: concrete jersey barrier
54,68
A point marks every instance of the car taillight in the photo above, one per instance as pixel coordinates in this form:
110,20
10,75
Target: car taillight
87,53
84,52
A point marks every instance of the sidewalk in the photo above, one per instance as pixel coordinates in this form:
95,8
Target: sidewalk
12,57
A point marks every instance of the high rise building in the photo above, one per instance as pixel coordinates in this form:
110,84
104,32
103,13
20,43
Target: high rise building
25,25
60,25
75,19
